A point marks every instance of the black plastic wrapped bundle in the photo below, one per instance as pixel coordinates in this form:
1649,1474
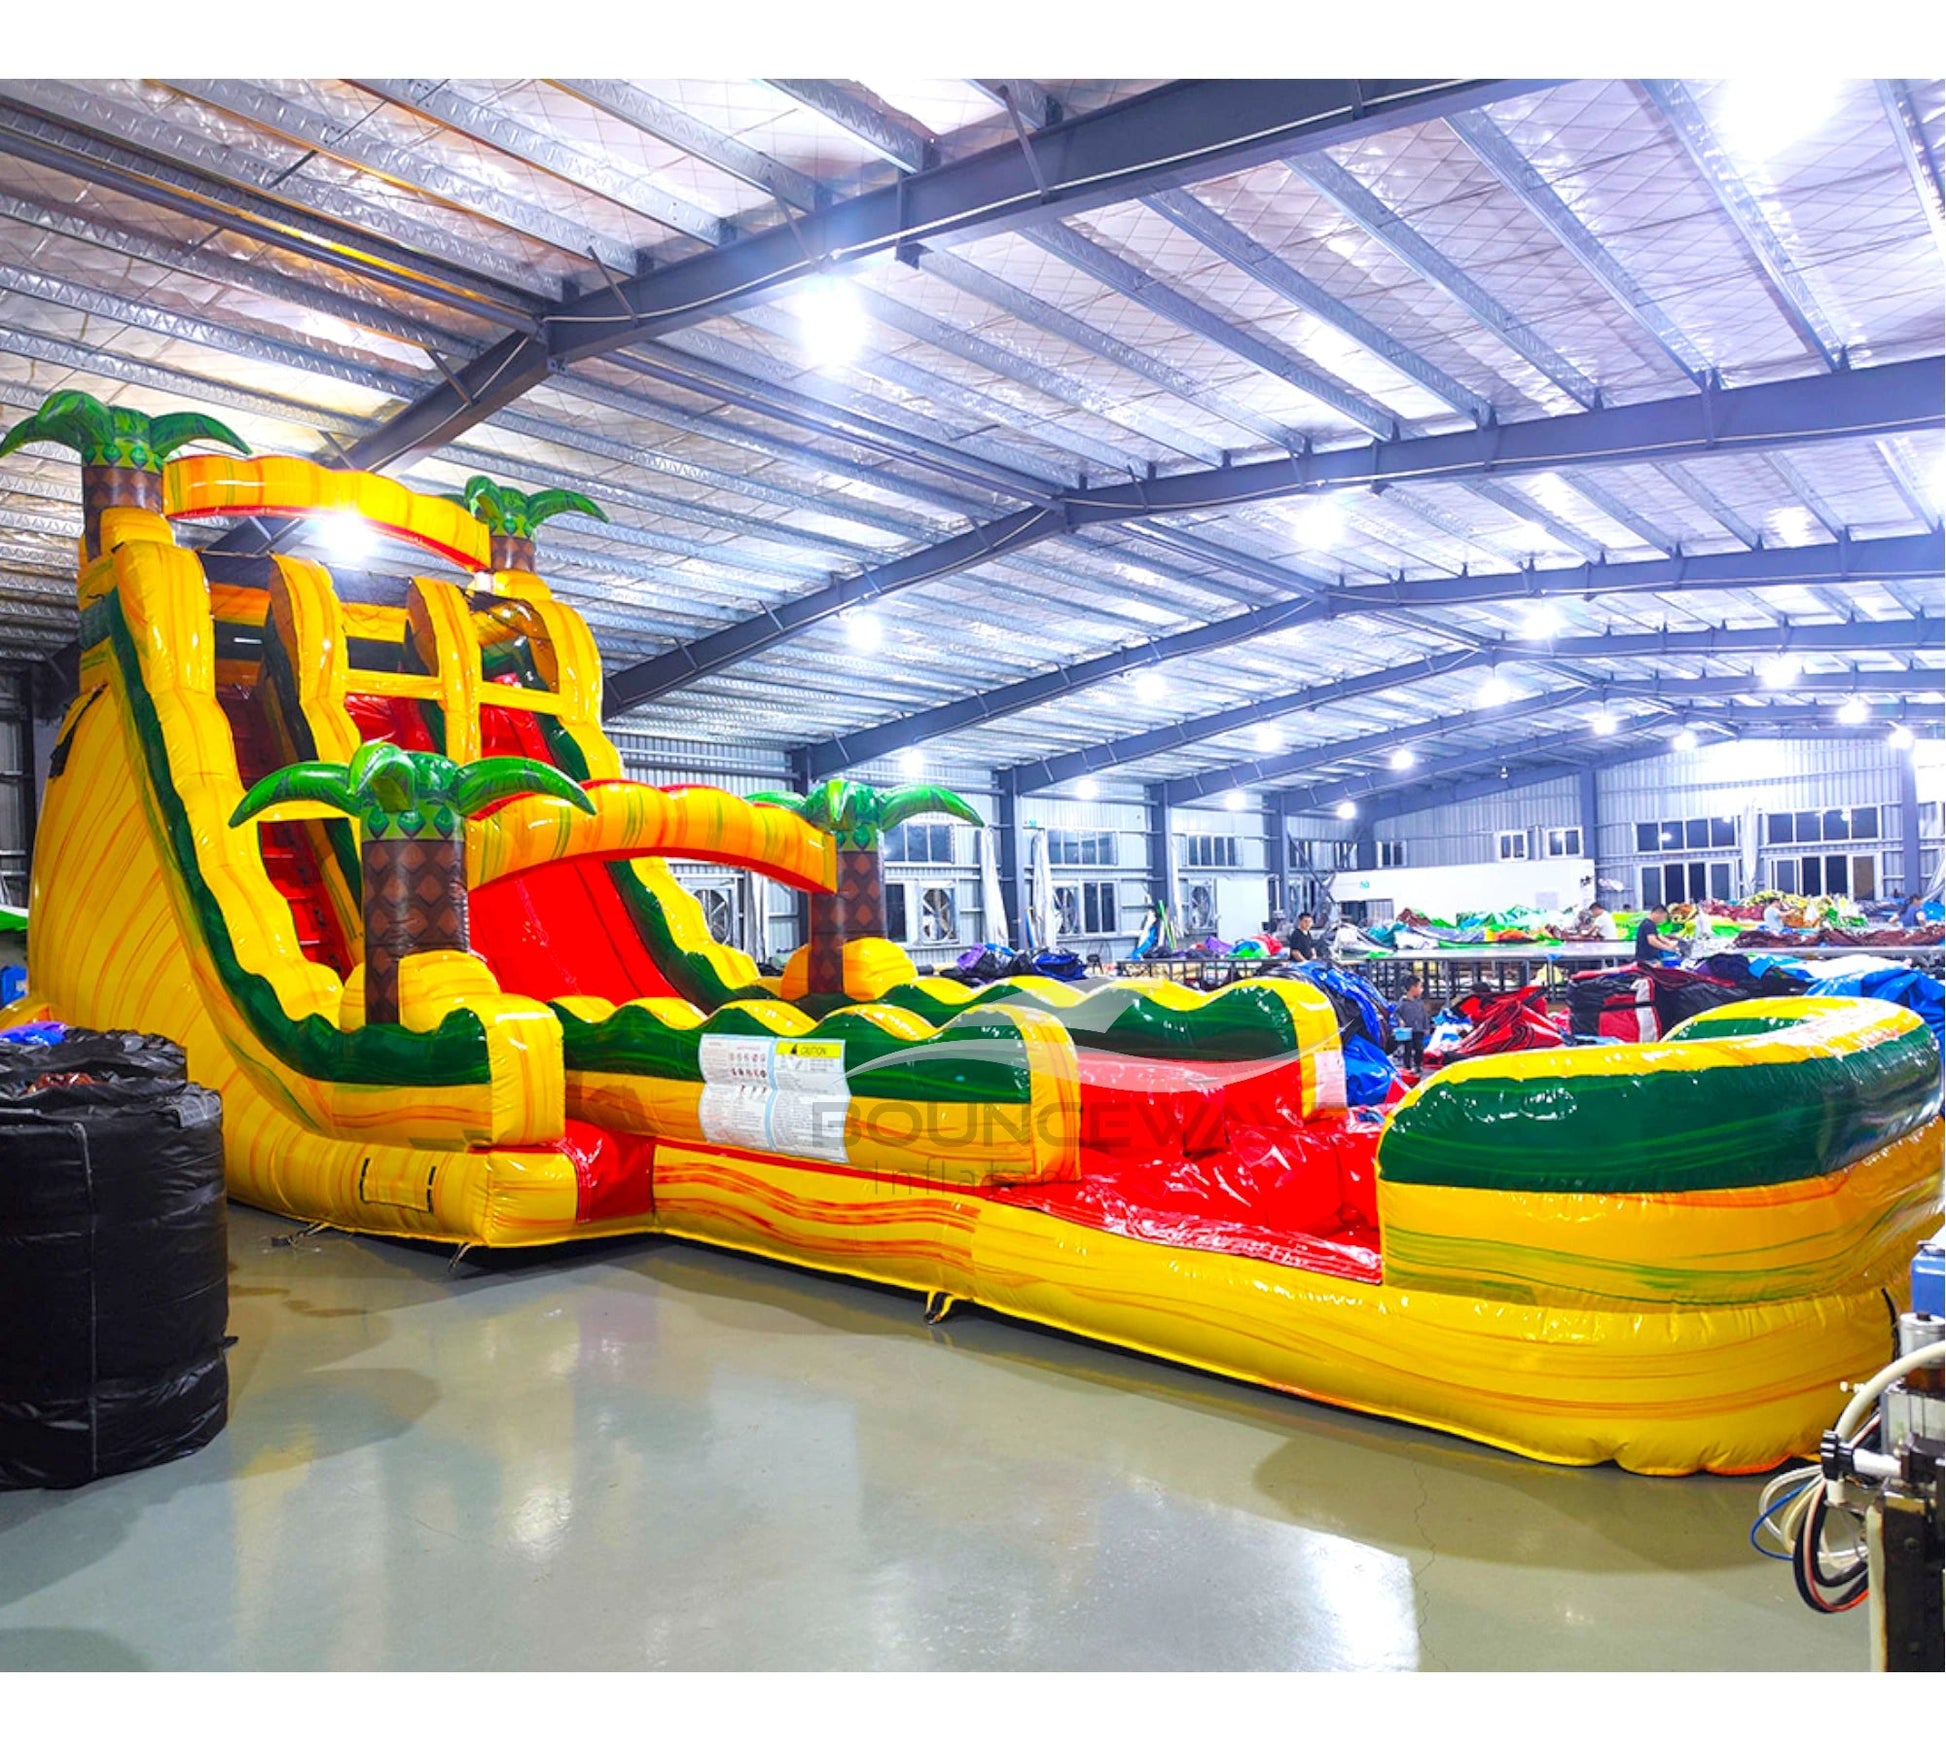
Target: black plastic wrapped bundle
114,1259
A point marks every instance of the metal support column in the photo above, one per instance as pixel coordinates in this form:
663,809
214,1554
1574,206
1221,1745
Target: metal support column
1914,878
800,766
1277,824
1162,849
1591,825
1013,866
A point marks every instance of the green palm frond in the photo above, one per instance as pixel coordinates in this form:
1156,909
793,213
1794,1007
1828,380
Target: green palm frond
170,431
554,501
506,510
925,799
778,799
116,437
396,792
70,417
486,782
312,781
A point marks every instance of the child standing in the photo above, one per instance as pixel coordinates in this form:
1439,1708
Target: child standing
1415,1022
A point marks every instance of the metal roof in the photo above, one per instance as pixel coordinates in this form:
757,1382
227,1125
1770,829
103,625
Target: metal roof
1073,299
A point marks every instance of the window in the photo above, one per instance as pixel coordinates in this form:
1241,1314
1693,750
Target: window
895,924
1672,884
1512,846
938,915
920,842
1709,833
1391,854
1212,851
1833,873
1821,826
1086,908
1098,849
1564,842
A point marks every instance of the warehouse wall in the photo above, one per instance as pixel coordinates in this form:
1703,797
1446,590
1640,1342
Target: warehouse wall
1742,782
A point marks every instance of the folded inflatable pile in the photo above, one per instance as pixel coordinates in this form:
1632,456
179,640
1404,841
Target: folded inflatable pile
374,863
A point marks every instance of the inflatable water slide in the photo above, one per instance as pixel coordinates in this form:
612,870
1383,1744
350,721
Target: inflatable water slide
367,853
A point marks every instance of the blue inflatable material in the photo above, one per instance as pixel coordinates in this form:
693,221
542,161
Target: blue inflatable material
1368,1073
1919,992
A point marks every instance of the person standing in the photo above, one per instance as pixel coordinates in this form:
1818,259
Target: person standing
1650,944
1300,942
1414,1022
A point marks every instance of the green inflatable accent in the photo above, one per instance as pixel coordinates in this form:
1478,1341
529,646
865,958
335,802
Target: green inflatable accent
1664,1130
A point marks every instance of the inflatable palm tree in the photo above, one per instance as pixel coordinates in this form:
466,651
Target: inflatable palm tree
122,450
512,516
411,809
858,817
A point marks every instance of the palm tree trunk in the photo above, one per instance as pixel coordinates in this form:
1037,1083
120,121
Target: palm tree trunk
512,553
104,488
856,909
415,901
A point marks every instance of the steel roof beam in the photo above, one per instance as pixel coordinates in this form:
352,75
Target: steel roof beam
1688,481
437,101
1916,151
868,120
1241,250
217,269
427,175
1859,404
663,121
1051,319
1135,283
1352,198
1922,719
1048,380
1181,132
1915,556
1037,108
1877,635
1246,774
1525,180
1739,202
282,223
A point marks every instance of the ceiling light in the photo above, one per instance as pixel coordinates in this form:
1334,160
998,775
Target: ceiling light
1604,723
1087,789
1854,711
1269,738
866,631
1149,685
1779,671
1494,690
1235,801
349,537
1347,810
1796,524
1403,759
1320,523
911,763
1683,740
1761,117
830,322
1901,737
1542,622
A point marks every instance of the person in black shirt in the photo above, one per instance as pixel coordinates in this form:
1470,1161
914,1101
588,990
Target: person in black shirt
1650,944
1300,942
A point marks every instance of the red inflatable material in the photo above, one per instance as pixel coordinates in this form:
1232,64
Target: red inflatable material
1518,1022
1138,1109
1302,1197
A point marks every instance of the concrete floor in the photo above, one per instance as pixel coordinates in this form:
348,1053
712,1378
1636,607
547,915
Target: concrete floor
641,1454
